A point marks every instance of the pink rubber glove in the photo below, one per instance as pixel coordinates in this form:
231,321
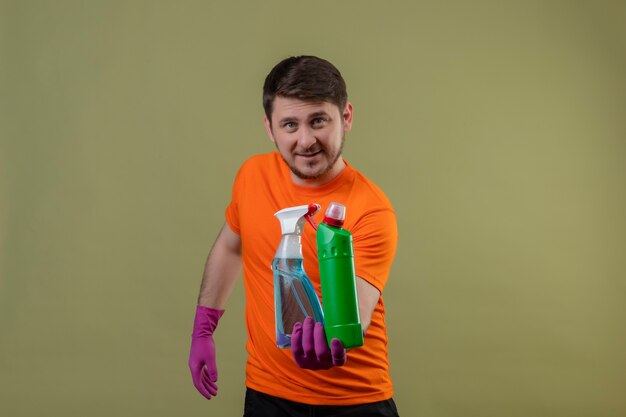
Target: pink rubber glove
202,355
310,349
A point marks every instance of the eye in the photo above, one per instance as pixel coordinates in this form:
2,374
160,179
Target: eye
319,122
290,126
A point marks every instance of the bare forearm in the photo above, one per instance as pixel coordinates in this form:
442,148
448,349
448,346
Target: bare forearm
368,300
221,270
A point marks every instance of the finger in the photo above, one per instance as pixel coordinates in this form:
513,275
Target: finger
205,393
296,342
211,368
199,384
210,386
338,352
322,351
308,340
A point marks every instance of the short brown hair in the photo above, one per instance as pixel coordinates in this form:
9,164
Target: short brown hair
307,78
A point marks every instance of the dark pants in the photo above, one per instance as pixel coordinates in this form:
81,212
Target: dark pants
262,405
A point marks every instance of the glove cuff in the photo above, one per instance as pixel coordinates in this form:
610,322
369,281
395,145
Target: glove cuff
206,321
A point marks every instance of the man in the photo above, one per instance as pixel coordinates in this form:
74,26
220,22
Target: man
307,115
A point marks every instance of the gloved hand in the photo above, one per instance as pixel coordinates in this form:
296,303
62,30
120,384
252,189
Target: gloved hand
202,355
310,348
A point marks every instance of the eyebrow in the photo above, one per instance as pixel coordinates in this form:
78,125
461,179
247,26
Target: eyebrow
309,116
318,114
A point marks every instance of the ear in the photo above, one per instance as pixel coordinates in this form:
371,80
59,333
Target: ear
347,117
268,128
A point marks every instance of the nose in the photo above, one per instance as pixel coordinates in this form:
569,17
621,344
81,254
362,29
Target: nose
306,139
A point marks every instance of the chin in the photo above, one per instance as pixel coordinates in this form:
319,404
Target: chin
308,174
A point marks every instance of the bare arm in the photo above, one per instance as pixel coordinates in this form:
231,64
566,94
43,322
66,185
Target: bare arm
221,270
368,299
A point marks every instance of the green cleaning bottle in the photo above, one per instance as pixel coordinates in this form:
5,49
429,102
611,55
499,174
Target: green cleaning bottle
336,263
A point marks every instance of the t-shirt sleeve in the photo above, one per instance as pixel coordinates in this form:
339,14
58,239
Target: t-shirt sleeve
375,238
232,210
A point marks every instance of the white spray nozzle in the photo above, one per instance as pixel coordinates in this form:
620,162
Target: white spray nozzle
292,218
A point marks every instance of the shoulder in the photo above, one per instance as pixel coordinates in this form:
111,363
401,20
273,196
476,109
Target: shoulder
369,205
259,164
260,161
370,194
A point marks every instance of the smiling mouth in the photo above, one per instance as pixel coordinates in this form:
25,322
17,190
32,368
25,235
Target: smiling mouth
309,155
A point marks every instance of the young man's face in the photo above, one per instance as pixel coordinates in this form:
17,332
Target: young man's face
309,136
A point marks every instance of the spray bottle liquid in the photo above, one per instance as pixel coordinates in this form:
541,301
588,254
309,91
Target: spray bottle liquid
336,262
294,295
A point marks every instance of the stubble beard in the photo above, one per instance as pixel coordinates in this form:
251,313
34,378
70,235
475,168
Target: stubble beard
298,173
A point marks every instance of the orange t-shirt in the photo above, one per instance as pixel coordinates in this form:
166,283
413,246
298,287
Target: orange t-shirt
264,186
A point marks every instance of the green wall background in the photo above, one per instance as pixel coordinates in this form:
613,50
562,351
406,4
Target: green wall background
497,129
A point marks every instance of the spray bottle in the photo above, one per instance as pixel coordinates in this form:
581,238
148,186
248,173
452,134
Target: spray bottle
294,295
336,262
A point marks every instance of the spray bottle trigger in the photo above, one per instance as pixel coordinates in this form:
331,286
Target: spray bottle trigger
313,208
